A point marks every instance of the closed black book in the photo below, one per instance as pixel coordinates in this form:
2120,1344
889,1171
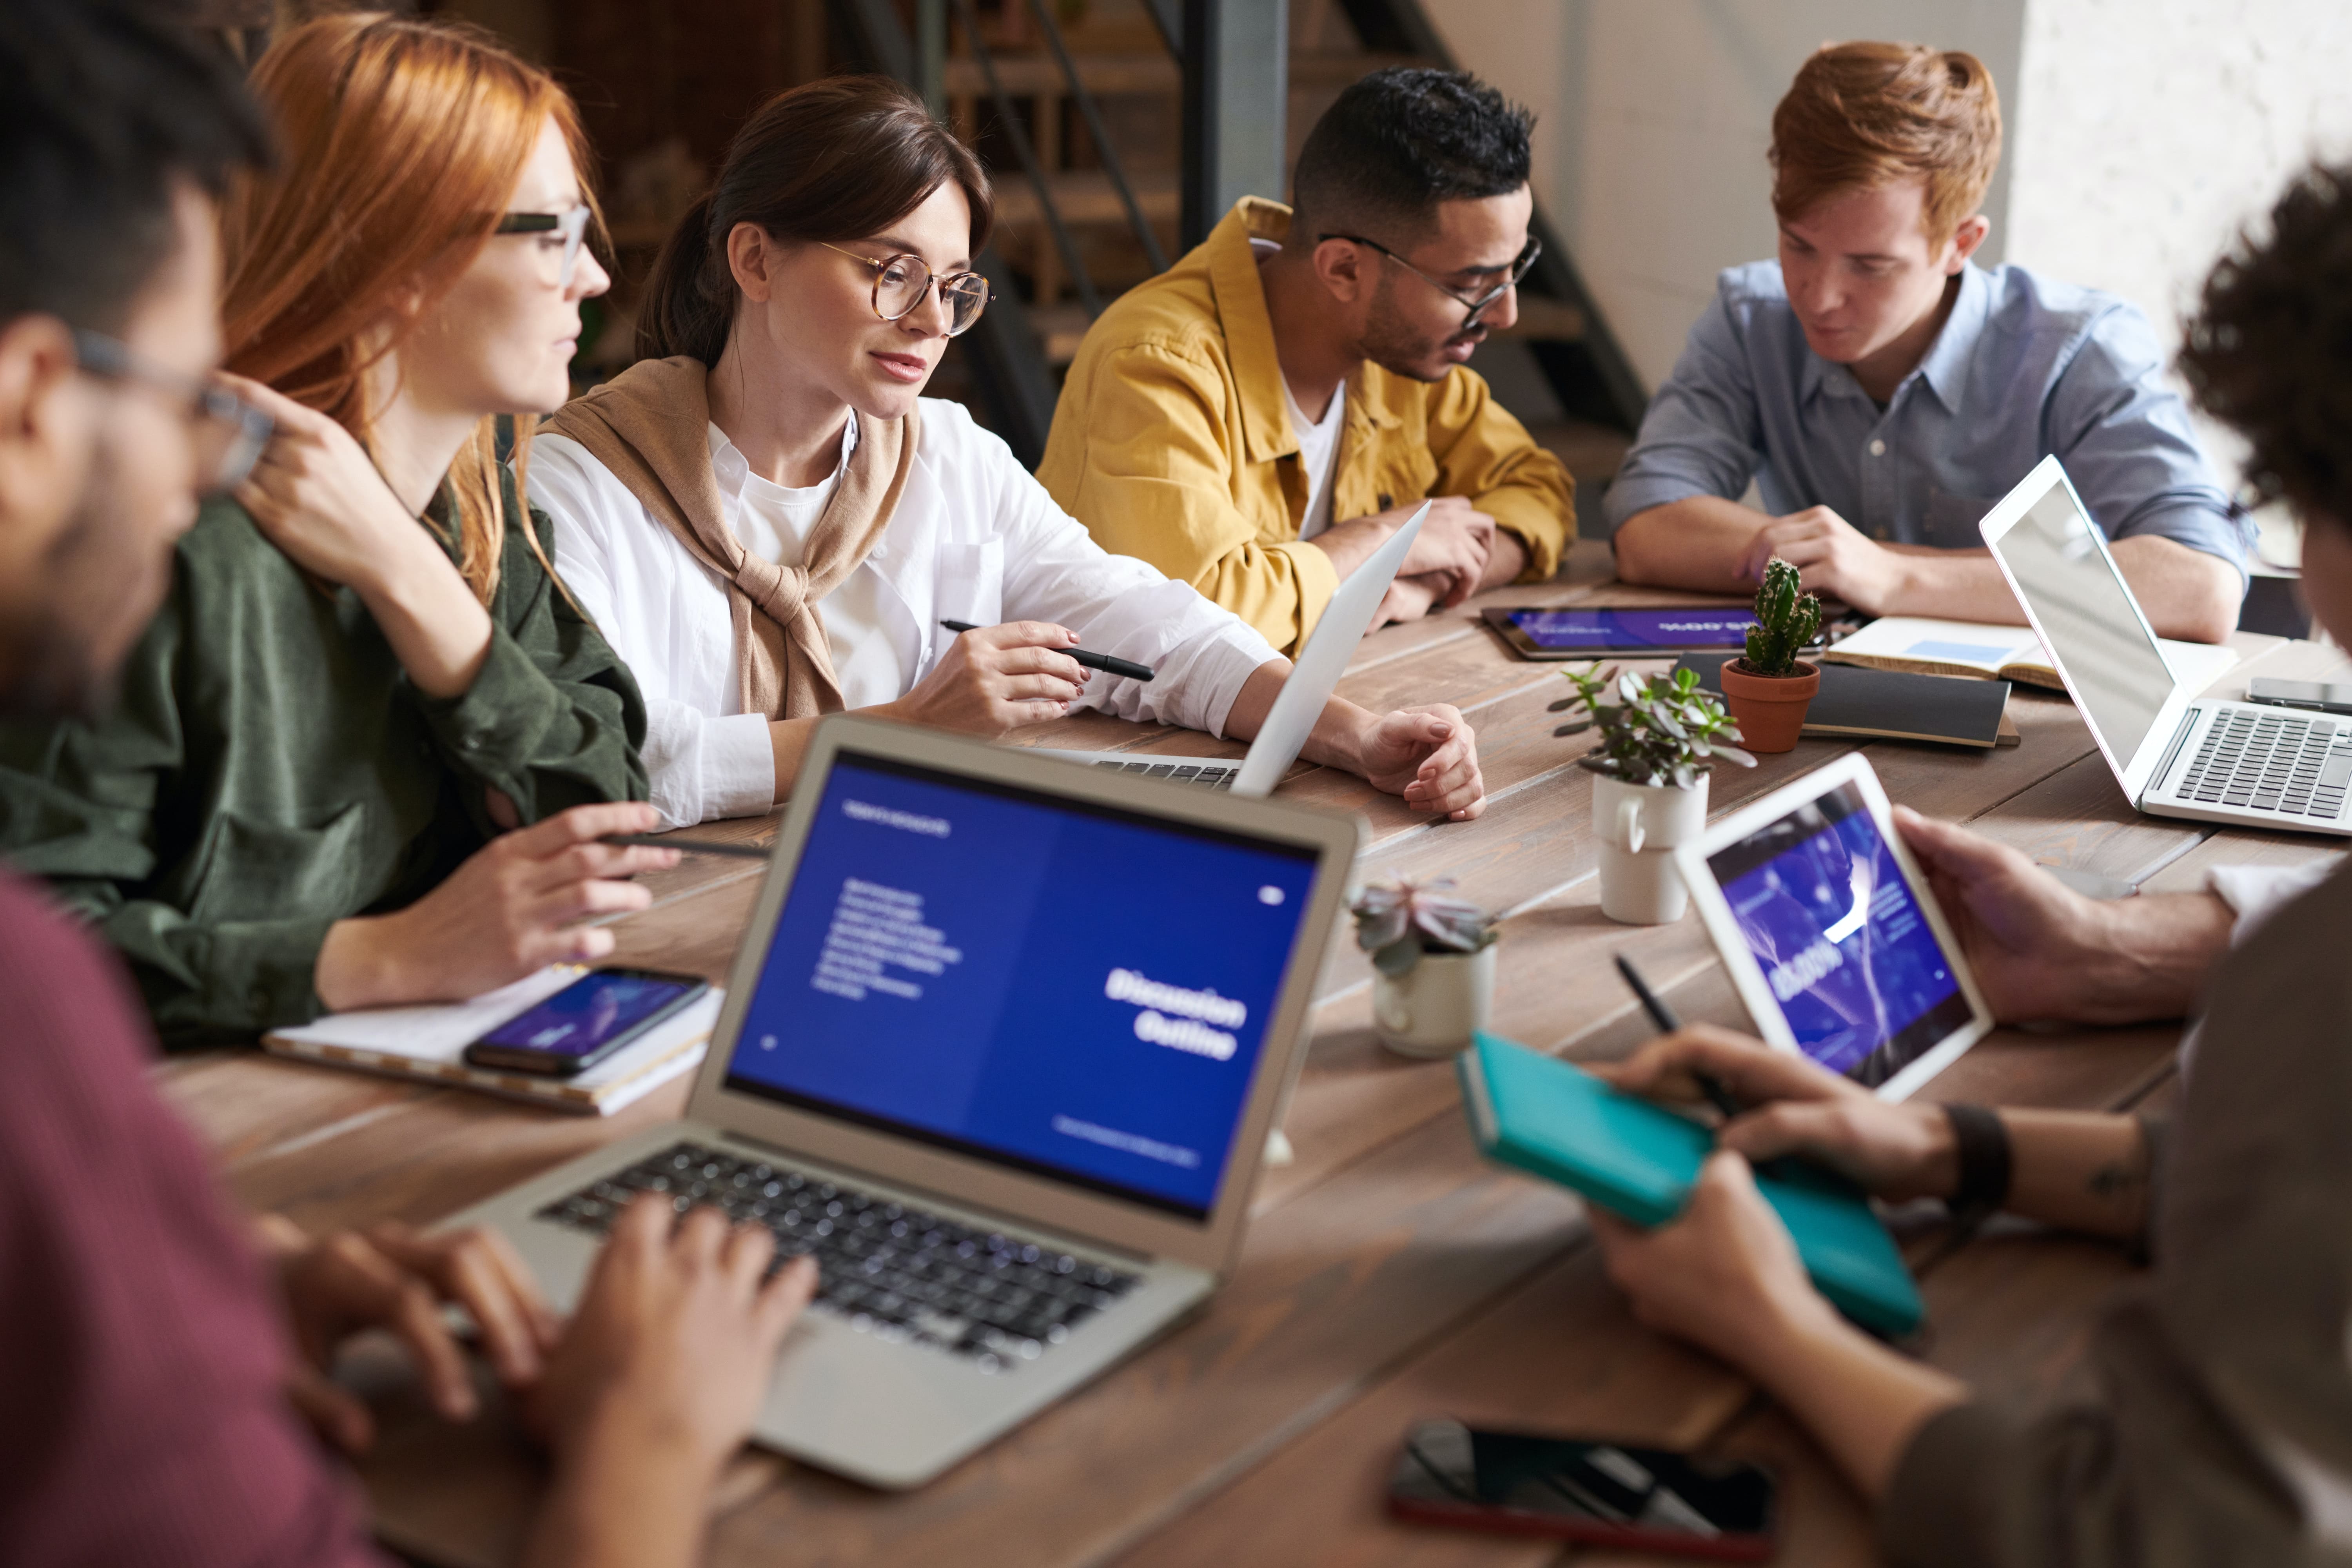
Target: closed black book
1887,704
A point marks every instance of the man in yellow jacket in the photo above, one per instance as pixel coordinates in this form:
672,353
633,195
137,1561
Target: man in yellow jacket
1257,420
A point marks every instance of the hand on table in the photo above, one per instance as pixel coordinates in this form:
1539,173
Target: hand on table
674,1337
513,907
1894,1150
1837,559
996,678
389,1277
1428,757
1409,599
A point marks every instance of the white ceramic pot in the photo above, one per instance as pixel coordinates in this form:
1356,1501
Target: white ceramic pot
1639,825
1431,1009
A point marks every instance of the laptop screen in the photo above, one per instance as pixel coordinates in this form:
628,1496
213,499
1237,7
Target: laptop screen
2089,617
1822,905
1066,988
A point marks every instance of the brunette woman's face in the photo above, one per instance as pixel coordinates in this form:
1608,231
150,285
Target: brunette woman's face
501,340
813,307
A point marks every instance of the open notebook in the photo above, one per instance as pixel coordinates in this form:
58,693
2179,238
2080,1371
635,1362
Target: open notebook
1923,646
429,1043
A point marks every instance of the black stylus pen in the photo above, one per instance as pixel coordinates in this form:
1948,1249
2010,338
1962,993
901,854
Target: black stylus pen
690,845
1101,661
1664,1017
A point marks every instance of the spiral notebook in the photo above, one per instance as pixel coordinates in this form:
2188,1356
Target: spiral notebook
429,1043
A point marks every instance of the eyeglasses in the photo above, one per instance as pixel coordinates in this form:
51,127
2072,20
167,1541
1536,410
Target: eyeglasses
901,281
573,226
1527,259
229,432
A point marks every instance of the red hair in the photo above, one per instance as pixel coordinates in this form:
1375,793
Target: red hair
403,142
1864,115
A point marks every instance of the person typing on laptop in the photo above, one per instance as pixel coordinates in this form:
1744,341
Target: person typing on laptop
2218,1429
1883,391
770,523
145,1369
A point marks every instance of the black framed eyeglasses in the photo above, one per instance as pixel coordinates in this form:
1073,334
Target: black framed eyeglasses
572,226
1519,268
230,433
901,281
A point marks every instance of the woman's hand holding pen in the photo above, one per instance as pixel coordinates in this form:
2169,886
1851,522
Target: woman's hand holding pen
1898,1150
995,678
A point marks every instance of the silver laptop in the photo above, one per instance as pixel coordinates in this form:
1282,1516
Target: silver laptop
1001,1047
1309,685
2174,754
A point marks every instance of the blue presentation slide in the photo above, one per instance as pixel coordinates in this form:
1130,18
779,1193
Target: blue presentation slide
1071,989
1853,962
1605,631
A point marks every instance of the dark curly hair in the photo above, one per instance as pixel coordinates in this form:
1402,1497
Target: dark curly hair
1398,143
2269,353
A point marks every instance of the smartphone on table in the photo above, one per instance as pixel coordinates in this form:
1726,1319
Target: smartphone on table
585,1021
2322,697
1590,1491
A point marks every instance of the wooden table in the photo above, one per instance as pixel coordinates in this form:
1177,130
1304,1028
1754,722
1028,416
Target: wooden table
1389,1272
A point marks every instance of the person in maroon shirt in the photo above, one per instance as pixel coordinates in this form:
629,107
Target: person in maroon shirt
151,1408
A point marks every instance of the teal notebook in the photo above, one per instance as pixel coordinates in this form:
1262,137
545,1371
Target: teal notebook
1639,1161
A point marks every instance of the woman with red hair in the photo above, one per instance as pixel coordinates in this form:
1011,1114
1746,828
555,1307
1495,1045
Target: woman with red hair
367,673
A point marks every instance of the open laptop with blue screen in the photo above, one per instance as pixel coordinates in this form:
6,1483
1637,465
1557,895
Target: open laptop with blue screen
1001,1047
1830,934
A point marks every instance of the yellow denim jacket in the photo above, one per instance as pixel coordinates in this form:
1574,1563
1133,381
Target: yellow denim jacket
1172,442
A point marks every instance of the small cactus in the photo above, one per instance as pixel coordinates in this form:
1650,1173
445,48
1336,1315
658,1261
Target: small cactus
1786,621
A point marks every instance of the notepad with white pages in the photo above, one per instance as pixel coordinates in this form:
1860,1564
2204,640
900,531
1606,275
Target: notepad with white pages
429,1043
1923,645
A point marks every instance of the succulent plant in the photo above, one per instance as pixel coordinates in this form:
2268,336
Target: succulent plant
1786,621
1398,922
1662,730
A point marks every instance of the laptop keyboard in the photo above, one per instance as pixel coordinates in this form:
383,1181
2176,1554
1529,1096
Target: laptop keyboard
1186,773
887,1268
2272,762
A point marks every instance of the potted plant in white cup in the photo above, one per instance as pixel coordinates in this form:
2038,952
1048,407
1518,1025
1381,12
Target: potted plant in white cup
1658,742
1432,965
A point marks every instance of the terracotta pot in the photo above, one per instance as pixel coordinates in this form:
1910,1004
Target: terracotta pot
1770,708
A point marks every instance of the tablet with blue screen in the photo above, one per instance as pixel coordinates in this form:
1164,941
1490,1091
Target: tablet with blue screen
1830,934
1541,634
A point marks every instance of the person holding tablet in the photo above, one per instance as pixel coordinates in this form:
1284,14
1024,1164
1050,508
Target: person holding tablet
1883,391
364,672
771,523
2219,1426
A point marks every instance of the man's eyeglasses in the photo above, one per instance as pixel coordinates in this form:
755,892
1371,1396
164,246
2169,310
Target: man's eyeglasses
229,432
1478,303
573,226
901,281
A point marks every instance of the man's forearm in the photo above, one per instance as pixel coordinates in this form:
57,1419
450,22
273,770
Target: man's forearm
2078,1169
2185,593
1863,1402
2149,956
1697,543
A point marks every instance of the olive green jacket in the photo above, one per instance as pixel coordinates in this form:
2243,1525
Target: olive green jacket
269,770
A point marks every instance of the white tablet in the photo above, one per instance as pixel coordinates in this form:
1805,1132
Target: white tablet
1831,933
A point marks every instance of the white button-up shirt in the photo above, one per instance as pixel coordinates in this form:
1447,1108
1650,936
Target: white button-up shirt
974,539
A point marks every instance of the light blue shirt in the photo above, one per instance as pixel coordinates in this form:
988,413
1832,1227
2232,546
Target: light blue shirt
2024,367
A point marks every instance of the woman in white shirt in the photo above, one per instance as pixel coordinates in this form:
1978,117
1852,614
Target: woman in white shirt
769,523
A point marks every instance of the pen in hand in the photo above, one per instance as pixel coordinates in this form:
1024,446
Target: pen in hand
1102,661
1664,1017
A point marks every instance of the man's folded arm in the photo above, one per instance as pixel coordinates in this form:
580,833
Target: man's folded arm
1486,456
1701,441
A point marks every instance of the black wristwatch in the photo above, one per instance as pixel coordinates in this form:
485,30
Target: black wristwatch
1981,1142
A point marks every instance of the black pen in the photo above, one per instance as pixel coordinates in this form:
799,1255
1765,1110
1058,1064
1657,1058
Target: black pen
1101,661
1664,1017
690,845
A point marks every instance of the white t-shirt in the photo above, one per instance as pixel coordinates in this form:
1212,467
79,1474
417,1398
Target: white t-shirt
1318,443
1318,455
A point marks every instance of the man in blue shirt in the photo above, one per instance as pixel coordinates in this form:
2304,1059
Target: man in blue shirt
1884,392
